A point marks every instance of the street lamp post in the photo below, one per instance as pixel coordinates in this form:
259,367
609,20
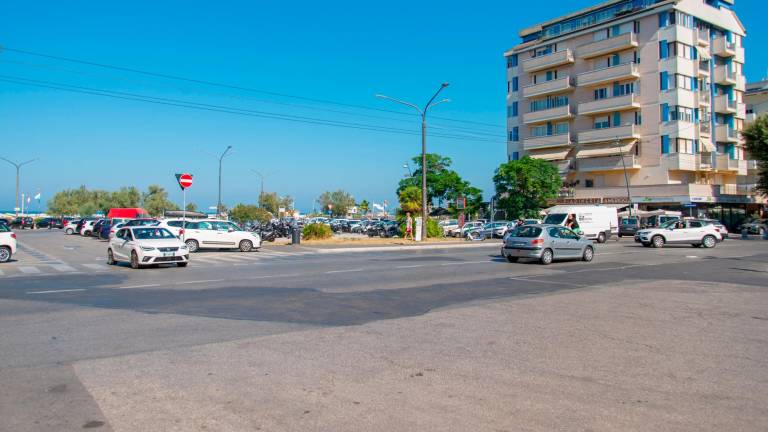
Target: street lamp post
423,113
261,177
221,158
408,167
18,166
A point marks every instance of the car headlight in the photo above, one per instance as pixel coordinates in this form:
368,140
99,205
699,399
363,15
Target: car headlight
183,247
147,248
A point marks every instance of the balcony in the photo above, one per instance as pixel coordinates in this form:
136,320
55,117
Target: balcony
725,133
609,74
682,162
724,105
562,112
725,76
705,98
703,68
609,134
743,189
617,103
608,163
607,46
721,47
548,61
705,128
753,166
548,87
725,163
549,141
702,37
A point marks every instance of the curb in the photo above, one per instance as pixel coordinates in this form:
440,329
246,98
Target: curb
405,248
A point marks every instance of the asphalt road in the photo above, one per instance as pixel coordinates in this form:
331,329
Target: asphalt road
295,339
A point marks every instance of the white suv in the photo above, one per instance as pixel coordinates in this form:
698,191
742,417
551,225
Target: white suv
693,231
7,243
219,234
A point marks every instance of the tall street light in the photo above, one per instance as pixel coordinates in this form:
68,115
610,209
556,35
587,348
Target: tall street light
262,177
423,113
626,175
221,158
18,166
408,167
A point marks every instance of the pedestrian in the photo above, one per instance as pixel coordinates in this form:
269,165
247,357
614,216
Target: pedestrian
409,226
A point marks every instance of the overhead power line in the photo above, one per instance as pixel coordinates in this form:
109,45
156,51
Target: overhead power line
222,109
230,86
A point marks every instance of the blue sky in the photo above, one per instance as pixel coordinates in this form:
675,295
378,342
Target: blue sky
345,51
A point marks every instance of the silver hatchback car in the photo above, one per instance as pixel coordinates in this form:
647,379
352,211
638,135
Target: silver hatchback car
546,243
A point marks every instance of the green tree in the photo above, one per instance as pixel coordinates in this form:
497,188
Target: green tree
443,183
272,202
246,213
363,207
410,199
524,186
191,207
125,197
155,201
340,200
756,136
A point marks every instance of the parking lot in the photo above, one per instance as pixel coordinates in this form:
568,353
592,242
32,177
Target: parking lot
300,338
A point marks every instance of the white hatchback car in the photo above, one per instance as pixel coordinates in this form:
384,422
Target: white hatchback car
7,243
692,231
219,234
143,245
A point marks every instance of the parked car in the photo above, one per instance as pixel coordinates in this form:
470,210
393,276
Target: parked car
49,223
7,243
219,234
23,223
693,231
629,226
140,222
146,245
448,226
384,229
96,230
4,221
489,230
546,243
755,226
87,228
81,224
532,221
176,226
594,222
460,232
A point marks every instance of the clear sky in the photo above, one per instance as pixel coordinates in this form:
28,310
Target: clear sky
344,51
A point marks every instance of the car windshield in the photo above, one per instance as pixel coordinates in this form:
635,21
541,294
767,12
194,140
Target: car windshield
555,219
526,231
152,233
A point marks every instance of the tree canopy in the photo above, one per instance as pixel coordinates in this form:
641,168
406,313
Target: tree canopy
155,201
443,183
340,200
524,186
86,202
247,213
410,199
756,136
272,202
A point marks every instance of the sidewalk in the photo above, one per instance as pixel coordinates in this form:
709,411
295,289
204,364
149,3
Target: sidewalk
400,246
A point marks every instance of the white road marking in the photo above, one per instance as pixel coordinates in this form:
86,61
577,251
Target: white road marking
546,282
200,281
29,270
1,272
96,266
344,271
56,291
63,268
139,286
691,256
410,266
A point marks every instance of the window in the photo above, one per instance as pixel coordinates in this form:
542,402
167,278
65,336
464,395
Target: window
694,224
561,128
664,80
623,89
539,131
120,234
683,145
514,109
515,155
638,118
664,112
515,134
602,122
589,183
512,61
665,144
601,93
204,226
514,84
549,103
680,113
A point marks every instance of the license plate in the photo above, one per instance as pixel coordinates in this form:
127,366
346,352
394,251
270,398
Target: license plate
168,254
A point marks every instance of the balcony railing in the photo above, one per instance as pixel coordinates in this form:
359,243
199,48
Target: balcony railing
738,189
607,46
548,87
556,113
548,61
725,163
609,74
704,67
723,47
704,98
726,133
724,105
682,161
725,76
608,163
608,134
548,141
616,103
702,35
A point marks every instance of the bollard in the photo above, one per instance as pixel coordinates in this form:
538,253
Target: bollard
744,234
295,236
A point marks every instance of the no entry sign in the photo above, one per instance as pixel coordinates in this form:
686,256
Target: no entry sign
185,180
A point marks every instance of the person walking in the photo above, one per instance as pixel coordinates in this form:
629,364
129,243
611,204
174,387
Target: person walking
409,226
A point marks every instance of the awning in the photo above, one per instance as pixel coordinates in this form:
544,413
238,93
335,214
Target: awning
549,154
707,145
604,149
704,53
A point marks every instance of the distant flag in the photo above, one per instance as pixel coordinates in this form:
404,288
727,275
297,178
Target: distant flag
378,207
37,197
29,199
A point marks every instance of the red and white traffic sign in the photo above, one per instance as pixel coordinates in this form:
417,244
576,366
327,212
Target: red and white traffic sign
185,180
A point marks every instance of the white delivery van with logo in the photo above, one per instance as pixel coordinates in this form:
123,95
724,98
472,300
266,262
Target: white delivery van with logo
594,222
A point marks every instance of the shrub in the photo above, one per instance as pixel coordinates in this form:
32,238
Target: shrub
433,229
317,231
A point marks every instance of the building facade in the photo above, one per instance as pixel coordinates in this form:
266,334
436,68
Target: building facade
645,92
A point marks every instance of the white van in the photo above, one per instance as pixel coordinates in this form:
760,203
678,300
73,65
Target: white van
594,222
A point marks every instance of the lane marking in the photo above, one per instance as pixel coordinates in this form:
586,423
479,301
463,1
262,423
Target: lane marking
1,272
410,266
29,270
56,291
63,268
344,271
548,282
139,286
200,281
96,266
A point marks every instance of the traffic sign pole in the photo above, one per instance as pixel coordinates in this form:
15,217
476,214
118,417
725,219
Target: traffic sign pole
185,181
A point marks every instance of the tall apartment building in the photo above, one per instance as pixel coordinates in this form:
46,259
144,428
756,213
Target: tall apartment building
650,88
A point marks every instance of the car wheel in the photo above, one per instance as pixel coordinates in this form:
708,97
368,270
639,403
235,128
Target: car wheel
69,231
709,241
192,245
5,254
182,264
134,260
110,257
601,237
547,257
657,241
512,259
246,246
86,233
589,253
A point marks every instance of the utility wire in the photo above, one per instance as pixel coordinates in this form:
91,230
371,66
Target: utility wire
223,109
230,86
